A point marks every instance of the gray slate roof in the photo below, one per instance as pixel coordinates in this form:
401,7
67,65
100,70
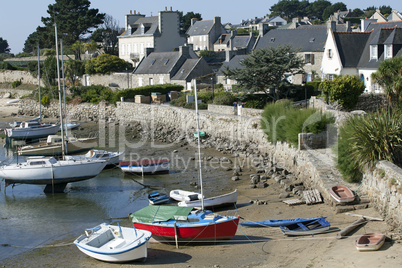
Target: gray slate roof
234,63
239,41
381,33
306,39
151,27
201,27
350,46
158,63
185,69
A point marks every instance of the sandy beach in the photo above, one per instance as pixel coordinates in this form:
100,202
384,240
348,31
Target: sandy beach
251,247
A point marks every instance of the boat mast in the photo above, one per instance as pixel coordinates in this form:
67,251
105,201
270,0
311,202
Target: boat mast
199,143
61,107
64,87
40,100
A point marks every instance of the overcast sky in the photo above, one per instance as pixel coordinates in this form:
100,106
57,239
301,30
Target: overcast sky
20,18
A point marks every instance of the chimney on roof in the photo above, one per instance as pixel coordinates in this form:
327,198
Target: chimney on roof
131,12
184,51
171,9
165,8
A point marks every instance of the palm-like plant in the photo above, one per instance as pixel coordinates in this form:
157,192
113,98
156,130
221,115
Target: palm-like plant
389,76
377,136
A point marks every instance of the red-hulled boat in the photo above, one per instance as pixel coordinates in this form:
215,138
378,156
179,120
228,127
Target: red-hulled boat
167,223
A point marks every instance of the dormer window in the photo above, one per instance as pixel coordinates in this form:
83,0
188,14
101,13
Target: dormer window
388,52
373,52
142,29
166,62
152,63
312,40
272,39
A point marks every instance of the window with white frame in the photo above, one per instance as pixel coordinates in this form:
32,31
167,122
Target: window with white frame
142,51
200,38
123,49
388,51
160,79
151,81
140,81
309,58
135,48
128,49
373,52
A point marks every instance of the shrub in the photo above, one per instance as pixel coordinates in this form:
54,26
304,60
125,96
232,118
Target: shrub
224,98
6,66
180,101
201,106
281,122
93,94
45,100
146,91
16,83
105,64
343,89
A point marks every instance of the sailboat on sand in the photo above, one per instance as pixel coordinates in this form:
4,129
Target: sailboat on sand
167,223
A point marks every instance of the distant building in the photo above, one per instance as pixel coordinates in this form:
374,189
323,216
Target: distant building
161,33
177,67
204,33
233,41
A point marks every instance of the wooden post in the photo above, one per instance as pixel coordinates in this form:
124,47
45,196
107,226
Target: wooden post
354,225
175,235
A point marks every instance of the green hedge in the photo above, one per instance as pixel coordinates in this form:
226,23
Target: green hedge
130,93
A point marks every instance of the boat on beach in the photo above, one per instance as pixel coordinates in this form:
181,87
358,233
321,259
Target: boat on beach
211,202
275,223
181,224
112,158
146,166
314,226
370,242
53,146
29,130
342,194
156,198
182,195
50,171
114,243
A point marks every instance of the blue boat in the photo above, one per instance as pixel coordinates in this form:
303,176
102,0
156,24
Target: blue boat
314,226
155,198
275,223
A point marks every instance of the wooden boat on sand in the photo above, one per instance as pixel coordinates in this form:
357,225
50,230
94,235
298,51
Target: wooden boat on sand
342,194
275,223
182,195
114,243
314,226
370,242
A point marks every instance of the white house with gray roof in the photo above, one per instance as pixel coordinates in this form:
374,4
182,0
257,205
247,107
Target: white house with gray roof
174,67
162,33
360,53
202,34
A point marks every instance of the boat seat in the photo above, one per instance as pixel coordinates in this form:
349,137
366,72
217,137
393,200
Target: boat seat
115,243
101,240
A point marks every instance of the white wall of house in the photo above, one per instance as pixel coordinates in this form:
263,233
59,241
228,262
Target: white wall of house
365,76
331,63
141,80
130,47
200,42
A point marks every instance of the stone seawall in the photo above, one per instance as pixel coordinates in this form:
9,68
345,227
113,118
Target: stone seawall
242,135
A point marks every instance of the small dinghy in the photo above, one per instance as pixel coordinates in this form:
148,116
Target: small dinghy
187,196
114,243
342,194
370,241
146,166
156,198
275,223
314,226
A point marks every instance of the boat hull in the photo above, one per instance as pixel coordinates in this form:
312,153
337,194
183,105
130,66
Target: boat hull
275,223
314,226
341,194
31,133
133,245
73,147
208,231
217,201
69,171
145,167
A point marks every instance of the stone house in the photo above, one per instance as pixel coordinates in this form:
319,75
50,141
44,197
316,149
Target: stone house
233,41
261,24
162,33
204,33
175,67
309,41
361,53
231,62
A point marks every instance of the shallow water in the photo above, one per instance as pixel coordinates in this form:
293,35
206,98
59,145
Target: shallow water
29,218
